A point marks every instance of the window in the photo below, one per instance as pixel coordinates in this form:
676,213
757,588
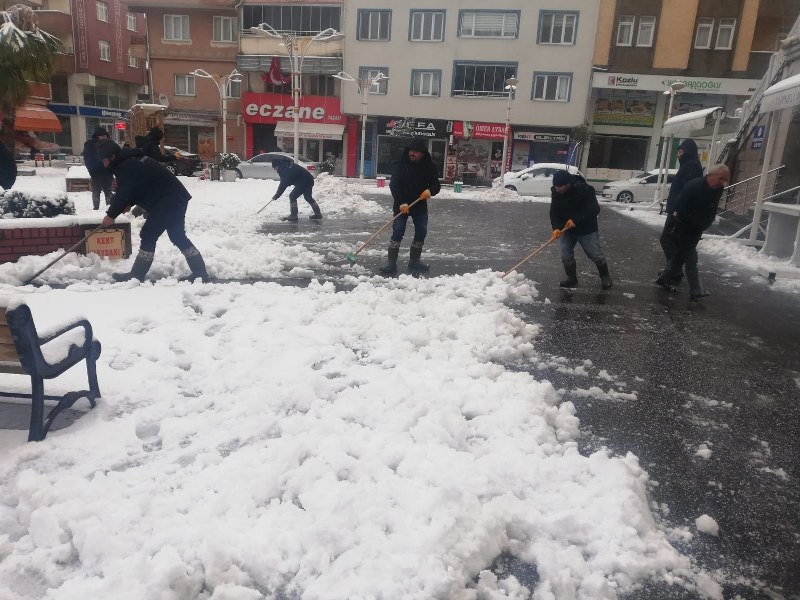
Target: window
132,60
303,20
102,11
488,24
224,29
318,85
702,38
647,29
176,27
105,51
184,85
625,30
552,86
382,87
426,83
131,22
234,89
557,27
725,34
374,24
426,26
482,79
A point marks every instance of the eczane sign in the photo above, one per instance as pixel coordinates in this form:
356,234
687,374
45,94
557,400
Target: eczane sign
271,108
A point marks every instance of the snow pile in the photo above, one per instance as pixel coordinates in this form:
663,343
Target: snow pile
342,197
706,524
78,172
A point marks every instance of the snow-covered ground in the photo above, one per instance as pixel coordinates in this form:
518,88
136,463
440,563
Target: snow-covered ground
267,441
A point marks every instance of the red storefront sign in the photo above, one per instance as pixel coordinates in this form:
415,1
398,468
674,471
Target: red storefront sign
479,131
271,108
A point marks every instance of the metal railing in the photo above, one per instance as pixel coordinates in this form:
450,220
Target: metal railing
741,196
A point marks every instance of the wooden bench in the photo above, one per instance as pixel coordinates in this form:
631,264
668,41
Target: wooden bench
22,351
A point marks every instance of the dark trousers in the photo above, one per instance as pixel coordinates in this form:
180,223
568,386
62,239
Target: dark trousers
419,215
171,218
667,239
685,240
301,190
101,183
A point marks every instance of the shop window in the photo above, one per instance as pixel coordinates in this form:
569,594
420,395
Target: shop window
725,32
647,30
625,30
303,20
176,28
500,24
131,22
612,152
705,29
426,83
224,29
482,79
105,51
552,87
557,27
184,85
381,87
102,11
426,26
374,25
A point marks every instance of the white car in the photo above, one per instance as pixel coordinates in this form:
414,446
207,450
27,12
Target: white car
639,188
260,166
536,180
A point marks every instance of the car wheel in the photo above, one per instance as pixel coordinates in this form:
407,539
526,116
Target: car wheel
171,168
238,174
512,188
625,197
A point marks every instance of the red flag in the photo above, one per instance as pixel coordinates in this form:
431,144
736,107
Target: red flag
275,77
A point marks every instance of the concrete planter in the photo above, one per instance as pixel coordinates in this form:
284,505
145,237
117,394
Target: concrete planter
228,175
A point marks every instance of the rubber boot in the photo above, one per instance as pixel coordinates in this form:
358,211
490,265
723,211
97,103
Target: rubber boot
695,288
663,280
415,265
141,266
390,268
292,217
605,278
315,207
196,263
571,269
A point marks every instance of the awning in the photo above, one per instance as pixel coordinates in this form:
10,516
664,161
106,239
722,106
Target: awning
311,131
783,94
690,122
36,118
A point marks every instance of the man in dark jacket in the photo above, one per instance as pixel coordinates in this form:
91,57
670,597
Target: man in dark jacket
293,174
695,211
690,168
576,202
151,145
101,178
413,176
8,167
142,181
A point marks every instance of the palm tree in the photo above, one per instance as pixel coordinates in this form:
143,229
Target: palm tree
27,53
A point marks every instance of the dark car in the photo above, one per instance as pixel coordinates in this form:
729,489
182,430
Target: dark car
185,163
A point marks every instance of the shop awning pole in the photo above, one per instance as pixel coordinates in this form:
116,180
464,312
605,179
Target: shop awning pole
710,160
762,182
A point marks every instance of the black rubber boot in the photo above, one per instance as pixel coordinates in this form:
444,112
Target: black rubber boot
317,214
695,287
663,280
571,269
415,265
605,278
292,217
141,266
390,268
196,263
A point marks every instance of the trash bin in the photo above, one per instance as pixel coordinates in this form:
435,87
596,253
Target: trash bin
457,186
215,172
381,181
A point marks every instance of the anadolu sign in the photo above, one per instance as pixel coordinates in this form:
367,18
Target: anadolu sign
271,108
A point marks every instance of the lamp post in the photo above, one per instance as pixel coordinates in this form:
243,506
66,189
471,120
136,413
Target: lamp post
223,83
666,140
511,85
364,84
296,47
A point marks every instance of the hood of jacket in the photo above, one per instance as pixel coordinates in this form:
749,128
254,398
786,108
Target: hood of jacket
689,148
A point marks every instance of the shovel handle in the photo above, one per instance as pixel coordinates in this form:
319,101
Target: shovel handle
70,249
385,225
535,252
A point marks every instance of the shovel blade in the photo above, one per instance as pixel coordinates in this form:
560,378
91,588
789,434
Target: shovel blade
351,257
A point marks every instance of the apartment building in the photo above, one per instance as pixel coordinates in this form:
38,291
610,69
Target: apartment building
719,50
448,71
186,38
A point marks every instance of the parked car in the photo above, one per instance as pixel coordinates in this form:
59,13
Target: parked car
537,179
260,166
640,188
184,163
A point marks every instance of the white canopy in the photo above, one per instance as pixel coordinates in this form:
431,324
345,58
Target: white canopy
689,122
783,94
314,131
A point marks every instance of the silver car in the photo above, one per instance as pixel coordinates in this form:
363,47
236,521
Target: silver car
260,166
640,188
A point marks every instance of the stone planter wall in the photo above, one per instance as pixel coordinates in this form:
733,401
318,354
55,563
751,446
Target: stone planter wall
31,238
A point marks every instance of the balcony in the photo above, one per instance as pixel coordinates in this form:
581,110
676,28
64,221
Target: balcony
322,58
56,22
260,45
65,63
138,47
758,64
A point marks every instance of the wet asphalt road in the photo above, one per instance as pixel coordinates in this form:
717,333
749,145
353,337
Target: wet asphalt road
723,372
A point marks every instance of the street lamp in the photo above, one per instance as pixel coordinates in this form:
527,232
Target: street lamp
296,46
223,83
666,141
364,84
511,85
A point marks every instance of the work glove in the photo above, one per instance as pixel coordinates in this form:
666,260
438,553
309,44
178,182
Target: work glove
569,224
556,234
274,197
404,209
425,195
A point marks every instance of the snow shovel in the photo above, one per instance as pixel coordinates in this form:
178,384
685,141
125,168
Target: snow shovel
86,237
266,205
570,225
352,255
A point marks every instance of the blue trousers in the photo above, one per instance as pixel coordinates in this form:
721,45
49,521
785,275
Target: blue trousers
590,243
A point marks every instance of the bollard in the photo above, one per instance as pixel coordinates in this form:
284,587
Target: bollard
458,186
380,181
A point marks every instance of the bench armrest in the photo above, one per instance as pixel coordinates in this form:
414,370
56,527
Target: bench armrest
82,323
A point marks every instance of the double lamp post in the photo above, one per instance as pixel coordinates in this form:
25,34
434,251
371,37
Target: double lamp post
223,83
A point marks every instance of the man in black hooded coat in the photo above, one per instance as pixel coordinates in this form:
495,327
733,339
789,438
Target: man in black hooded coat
298,176
151,145
101,178
413,176
142,181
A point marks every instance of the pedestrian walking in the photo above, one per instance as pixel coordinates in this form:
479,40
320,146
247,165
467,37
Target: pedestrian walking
695,211
101,178
575,202
151,145
690,168
142,181
413,177
293,174
8,167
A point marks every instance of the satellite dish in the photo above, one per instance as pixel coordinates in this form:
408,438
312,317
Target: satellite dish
163,100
